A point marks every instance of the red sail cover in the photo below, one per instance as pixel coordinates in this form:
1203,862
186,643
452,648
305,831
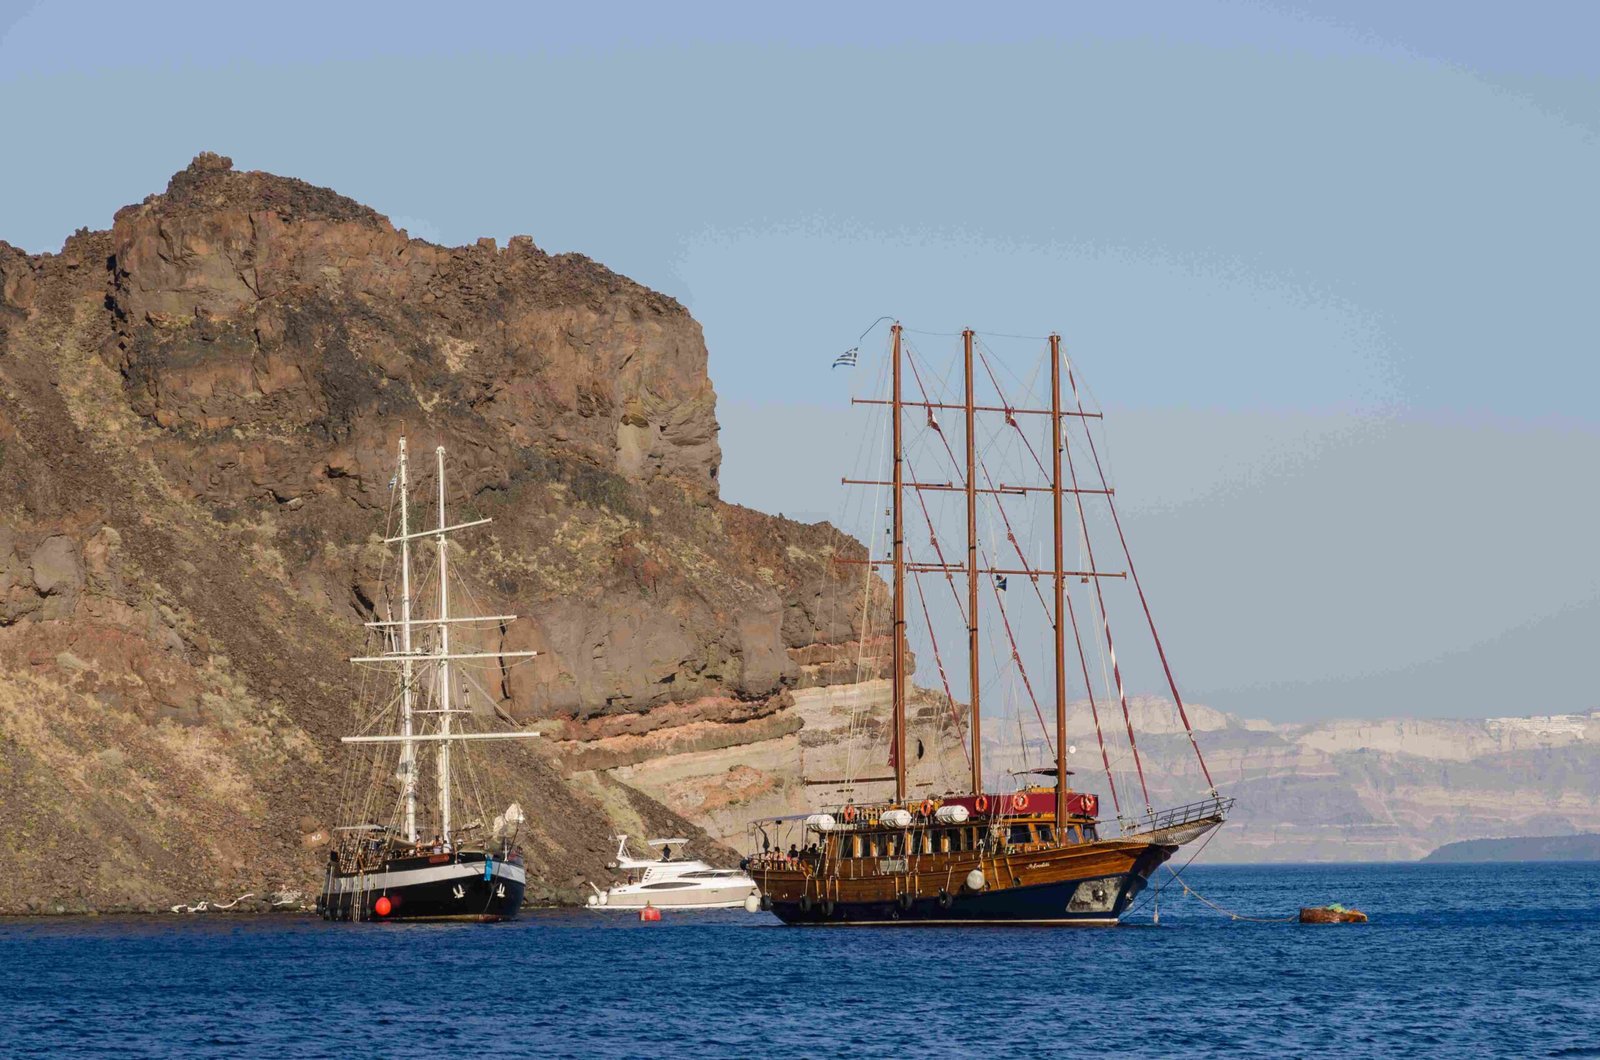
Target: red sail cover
1019,802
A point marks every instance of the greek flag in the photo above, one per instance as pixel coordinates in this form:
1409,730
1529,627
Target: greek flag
847,359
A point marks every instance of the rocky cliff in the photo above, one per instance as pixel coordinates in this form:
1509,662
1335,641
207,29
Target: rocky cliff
198,414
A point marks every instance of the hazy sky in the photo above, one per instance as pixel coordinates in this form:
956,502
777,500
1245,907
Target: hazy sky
1331,270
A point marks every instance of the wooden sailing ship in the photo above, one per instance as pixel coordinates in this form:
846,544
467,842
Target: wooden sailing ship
407,851
1041,853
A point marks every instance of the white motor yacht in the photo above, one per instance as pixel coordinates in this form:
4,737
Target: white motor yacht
666,882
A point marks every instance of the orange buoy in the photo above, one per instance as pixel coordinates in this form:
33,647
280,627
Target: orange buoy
849,813
927,807
649,914
981,804
1019,802
383,907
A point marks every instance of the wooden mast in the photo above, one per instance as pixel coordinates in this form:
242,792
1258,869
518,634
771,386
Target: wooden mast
1058,578
899,589
972,574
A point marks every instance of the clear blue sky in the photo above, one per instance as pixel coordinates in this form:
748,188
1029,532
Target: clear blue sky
1332,270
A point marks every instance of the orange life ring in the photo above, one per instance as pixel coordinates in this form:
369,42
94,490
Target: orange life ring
981,804
1019,802
849,814
927,807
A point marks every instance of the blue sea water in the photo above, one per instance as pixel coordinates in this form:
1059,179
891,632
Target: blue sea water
1459,960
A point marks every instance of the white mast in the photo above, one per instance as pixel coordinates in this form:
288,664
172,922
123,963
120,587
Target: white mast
408,657
445,698
408,753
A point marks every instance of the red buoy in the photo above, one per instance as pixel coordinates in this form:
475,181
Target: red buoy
649,913
382,906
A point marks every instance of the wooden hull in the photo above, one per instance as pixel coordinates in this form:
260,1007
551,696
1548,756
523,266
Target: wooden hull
1086,884
1332,916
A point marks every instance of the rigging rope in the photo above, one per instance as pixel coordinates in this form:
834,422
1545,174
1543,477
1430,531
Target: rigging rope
1094,709
1083,661
858,715
955,718
1105,624
1004,617
933,539
1134,574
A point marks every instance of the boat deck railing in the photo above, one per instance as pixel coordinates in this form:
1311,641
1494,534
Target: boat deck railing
1215,807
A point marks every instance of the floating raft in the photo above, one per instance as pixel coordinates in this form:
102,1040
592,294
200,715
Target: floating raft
1332,914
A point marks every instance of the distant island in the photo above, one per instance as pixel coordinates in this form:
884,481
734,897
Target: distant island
1585,847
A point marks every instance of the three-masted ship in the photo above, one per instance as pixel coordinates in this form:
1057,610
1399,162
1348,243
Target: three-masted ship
1039,853
408,851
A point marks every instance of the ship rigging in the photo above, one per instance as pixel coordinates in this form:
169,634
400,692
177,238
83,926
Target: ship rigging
411,856
1036,854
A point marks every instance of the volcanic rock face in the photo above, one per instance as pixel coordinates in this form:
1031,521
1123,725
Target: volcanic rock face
199,411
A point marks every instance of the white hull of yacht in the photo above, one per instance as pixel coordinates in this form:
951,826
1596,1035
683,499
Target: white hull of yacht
728,894
671,884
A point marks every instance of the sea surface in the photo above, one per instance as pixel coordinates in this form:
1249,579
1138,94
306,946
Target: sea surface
1459,960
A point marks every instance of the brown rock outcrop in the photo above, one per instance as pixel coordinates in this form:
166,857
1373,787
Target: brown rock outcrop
198,415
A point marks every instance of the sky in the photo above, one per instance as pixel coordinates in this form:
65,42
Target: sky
1330,270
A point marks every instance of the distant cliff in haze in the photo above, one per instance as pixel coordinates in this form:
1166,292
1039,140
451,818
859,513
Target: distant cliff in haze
1522,848
1390,789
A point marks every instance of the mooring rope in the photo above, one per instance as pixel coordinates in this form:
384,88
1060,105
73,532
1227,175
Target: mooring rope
1177,877
1230,913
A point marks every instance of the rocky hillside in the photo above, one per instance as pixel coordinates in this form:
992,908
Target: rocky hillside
198,414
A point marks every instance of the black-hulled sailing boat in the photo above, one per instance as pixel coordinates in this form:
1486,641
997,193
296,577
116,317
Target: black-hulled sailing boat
409,853
1039,853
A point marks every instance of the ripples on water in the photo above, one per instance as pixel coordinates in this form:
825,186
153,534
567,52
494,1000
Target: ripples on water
1459,960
